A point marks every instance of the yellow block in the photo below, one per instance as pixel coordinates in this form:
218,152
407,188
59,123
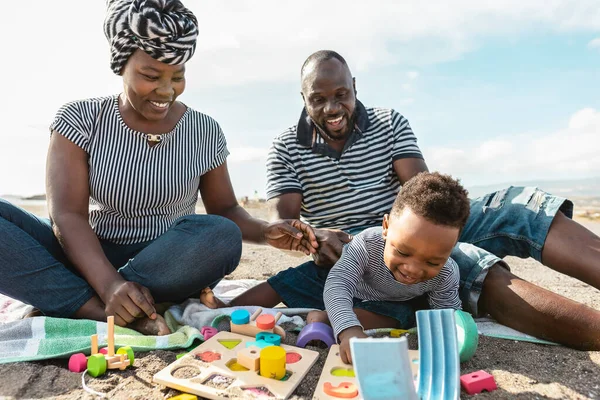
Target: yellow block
272,362
397,332
184,396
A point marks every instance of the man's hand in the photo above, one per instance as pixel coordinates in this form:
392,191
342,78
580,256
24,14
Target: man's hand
345,336
291,234
331,242
127,301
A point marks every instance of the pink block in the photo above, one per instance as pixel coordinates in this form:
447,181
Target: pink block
478,381
208,332
103,350
78,362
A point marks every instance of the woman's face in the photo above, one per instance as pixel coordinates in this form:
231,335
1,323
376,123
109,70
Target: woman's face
151,86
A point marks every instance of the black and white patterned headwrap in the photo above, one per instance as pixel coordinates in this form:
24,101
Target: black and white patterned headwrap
164,29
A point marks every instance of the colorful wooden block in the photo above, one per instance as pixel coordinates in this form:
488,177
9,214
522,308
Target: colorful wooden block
208,332
478,381
249,358
244,324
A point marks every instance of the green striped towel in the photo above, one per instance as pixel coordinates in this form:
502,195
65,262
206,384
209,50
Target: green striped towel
41,338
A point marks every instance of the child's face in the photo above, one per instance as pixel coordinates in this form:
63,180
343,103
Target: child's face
416,249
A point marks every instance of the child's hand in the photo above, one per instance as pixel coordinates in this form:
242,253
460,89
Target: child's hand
345,336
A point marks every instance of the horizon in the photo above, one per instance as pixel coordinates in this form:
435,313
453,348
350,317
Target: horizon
495,92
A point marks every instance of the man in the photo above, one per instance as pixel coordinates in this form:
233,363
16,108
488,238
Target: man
340,168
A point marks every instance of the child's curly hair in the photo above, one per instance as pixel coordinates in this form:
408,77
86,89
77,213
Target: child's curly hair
436,197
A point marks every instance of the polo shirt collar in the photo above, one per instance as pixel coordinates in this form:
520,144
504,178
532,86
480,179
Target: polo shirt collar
305,127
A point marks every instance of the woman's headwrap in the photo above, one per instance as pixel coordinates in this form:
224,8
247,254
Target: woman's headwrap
164,29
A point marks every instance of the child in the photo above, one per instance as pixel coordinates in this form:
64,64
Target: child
405,258
382,268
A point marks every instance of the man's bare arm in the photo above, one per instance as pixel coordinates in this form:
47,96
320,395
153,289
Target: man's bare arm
406,168
286,206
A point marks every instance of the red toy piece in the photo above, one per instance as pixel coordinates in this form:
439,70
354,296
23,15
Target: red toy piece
478,381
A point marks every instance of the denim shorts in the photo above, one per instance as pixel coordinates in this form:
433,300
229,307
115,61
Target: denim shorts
302,287
510,222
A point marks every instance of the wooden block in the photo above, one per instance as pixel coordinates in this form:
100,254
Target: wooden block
249,358
111,335
121,362
94,344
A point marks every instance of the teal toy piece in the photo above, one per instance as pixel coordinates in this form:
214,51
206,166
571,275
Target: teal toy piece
268,337
466,334
240,317
439,363
261,344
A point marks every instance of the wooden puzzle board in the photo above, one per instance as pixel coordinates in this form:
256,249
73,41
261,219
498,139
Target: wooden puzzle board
334,362
215,380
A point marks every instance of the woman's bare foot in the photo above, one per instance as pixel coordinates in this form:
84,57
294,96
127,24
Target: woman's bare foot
153,327
317,316
208,298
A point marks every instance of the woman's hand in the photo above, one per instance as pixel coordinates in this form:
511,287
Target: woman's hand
127,301
291,234
345,336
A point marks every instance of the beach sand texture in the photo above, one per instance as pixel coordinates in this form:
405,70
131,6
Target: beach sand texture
521,370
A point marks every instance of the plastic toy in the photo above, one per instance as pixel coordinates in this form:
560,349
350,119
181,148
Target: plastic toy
316,331
98,362
244,324
478,381
466,334
227,377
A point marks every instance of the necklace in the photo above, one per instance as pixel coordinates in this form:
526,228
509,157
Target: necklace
153,140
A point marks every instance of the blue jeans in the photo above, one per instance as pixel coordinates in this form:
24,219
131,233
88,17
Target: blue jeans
513,221
196,252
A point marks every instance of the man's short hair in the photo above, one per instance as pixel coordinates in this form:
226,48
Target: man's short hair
320,56
436,197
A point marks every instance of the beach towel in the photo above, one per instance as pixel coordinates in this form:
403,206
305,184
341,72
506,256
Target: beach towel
41,338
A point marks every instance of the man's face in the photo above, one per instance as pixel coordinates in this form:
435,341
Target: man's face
329,96
415,248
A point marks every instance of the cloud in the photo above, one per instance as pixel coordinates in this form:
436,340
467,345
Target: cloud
412,75
594,44
565,153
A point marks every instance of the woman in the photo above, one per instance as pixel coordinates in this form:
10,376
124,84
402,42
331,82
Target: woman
141,158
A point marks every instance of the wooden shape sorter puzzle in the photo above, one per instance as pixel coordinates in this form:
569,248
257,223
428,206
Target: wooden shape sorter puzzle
211,370
338,380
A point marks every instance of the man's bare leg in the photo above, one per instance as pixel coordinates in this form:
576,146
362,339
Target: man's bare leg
573,250
94,309
531,309
262,295
368,319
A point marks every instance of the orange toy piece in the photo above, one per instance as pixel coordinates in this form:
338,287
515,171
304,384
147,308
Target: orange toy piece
258,323
345,390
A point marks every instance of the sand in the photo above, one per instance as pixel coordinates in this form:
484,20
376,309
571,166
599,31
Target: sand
522,370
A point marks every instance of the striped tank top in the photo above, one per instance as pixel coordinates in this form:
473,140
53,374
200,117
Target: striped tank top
138,191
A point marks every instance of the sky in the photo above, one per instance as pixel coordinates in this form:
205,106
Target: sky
495,90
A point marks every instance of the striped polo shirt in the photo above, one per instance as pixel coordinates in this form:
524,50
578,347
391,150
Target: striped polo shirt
138,191
361,273
348,190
